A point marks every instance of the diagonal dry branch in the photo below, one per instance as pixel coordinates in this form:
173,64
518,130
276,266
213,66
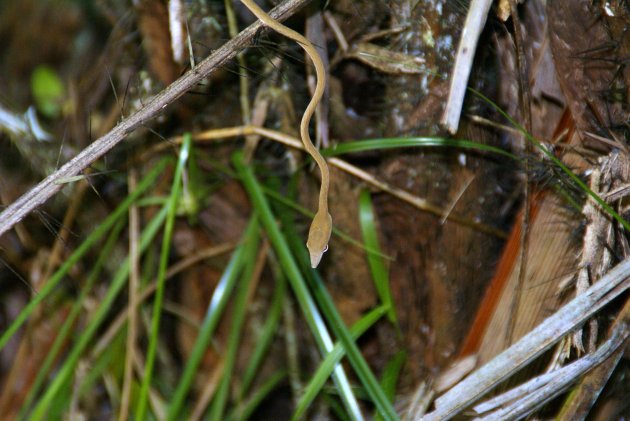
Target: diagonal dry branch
35,197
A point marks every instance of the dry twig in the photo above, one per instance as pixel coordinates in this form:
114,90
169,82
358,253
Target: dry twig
475,21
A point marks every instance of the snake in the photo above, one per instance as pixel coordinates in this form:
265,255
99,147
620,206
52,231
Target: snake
321,226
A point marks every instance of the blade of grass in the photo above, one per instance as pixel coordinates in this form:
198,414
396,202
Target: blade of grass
411,142
325,302
334,320
238,319
323,372
98,366
361,368
267,334
277,197
68,324
133,287
215,310
380,273
61,402
309,309
174,198
247,409
336,409
67,369
85,246
391,373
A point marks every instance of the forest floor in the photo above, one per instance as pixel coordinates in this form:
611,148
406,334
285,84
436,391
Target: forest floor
156,200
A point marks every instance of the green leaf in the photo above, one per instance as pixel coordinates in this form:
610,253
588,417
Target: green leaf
380,272
236,328
332,359
243,412
48,91
391,373
172,204
75,312
411,142
267,334
556,161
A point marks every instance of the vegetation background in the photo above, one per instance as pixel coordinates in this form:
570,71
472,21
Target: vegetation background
169,280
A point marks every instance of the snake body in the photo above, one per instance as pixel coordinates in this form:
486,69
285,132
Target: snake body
321,227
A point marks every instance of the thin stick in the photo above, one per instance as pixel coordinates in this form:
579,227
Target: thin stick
475,21
48,187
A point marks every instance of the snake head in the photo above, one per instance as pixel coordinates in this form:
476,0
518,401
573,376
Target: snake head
318,236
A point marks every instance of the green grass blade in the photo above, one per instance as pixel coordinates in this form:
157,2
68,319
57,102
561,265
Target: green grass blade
215,310
69,365
173,201
99,365
59,404
279,198
267,334
68,324
380,272
411,142
336,410
85,246
324,370
309,309
238,319
391,373
247,409
361,368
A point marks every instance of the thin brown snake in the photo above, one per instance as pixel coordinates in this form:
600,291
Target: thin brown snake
321,227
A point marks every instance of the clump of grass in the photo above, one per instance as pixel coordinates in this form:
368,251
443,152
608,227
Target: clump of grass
318,309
